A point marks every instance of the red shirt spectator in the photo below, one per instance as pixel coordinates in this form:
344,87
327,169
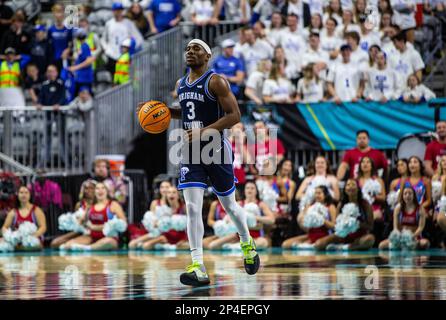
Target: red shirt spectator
353,157
435,149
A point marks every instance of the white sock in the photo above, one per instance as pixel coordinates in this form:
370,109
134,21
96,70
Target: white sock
237,214
195,228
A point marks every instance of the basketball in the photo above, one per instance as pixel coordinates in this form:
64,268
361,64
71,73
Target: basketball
154,116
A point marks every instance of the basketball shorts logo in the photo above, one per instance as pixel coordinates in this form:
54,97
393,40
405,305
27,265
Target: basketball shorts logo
183,173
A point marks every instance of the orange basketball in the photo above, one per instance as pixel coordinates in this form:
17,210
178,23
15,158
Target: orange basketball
154,116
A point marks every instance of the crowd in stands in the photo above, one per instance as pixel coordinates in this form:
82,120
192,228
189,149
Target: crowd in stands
283,208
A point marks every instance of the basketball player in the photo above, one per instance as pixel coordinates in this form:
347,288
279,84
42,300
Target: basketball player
207,103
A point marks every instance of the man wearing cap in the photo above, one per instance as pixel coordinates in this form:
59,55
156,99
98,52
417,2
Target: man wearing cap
116,31
344,79
230,67
208,107
122,70
83,67
41,50
10,70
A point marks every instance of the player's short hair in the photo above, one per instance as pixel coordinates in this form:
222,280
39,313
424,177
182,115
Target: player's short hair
363,131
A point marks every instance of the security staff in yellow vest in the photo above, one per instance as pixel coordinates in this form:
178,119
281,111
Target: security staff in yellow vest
10,70
122,68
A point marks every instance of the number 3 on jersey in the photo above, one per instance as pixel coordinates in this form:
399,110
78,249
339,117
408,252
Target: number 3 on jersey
191,113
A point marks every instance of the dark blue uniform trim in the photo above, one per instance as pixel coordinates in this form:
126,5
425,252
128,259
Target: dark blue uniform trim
191,185
225,193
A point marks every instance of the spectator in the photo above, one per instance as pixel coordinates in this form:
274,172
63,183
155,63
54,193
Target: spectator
33,82
230,67
203,12
259,31
233,10
406,60
237,138
277,88
416,92
359,10
46,193
16,36
11,93
241,42
384,26
373,53
435,149
83,67
352,157
368,36
264,9
254,50
381,81
6,14
92,41
310,89
330,42
284,185
254,84
116,31
344,79
384,7
83,102
294,45
358,56
334,11
403,173
264,148
317,6
53,94
280,58
122,70
59,35
136,14
163,15
404,17
299,8
347,24
41,50
315,55
117,189
315,26
387,40
275,29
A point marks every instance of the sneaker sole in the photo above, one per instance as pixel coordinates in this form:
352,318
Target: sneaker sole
184,279
252,269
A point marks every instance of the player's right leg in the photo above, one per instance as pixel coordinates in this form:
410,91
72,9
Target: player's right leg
195,274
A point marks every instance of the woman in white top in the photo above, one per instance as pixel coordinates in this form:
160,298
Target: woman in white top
202,12
334,10
416,92
275,29
277,88
330,42
315,26
310,89
254,84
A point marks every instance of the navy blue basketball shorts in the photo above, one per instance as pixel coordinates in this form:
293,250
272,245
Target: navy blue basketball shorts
220,176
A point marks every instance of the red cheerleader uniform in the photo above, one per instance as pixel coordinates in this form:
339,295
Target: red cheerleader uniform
97,218
30,217
360,232
173,236
410,219
315,234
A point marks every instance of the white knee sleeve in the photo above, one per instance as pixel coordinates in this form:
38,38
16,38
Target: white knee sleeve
195,228
237,214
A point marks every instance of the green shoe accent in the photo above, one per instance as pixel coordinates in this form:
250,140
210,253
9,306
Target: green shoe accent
249,251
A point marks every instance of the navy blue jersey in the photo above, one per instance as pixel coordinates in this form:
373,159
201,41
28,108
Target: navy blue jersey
199,107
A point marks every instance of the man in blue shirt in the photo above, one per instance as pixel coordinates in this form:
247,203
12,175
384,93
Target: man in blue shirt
163,15
59,35
230,67
83,67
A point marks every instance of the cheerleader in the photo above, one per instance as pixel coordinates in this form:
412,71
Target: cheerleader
410,215
216,213
284,186
321,196
402,167
420,183
102,210
86,198
172,237
440,208
361,239
263,217
26,211
163,188
367,171
438,179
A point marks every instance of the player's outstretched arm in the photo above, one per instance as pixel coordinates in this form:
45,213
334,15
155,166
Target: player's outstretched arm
219,87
